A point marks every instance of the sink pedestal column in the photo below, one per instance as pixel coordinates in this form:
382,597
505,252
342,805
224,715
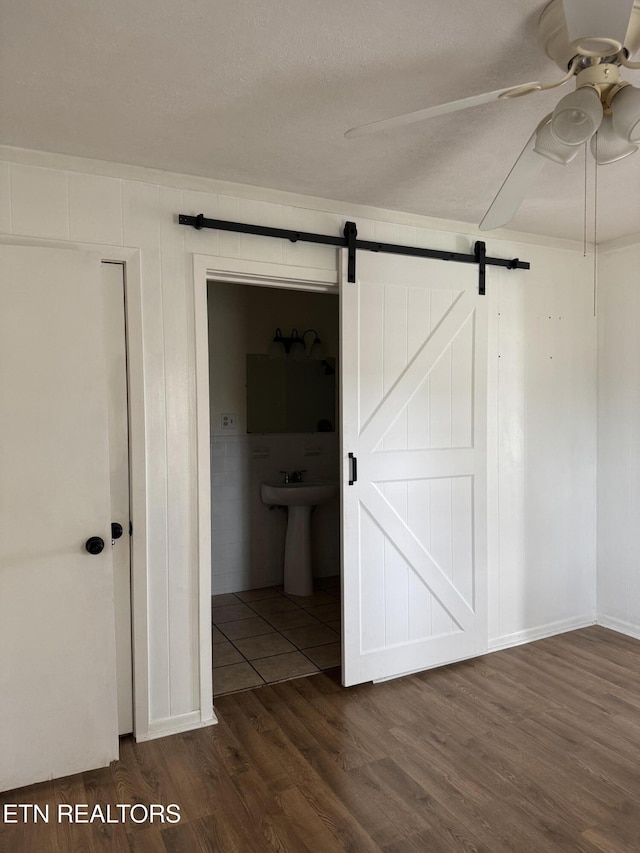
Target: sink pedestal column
298,575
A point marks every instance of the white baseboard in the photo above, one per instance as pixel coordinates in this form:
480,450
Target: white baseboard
175,725
619,625
518,638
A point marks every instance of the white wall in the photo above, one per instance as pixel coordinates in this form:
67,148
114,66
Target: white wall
543,396
619,440
543,485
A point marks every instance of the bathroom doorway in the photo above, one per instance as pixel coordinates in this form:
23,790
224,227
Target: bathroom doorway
273,391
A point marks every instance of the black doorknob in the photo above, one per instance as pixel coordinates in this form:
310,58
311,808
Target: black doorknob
116,530
94,545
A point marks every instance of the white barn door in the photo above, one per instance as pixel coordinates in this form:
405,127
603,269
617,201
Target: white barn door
413,343
58,711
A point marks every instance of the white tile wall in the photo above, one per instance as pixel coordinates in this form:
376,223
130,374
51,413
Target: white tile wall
247,537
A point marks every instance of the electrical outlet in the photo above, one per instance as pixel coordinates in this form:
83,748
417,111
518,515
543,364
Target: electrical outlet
228,421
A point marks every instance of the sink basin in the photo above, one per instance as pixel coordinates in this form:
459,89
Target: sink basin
298,494
299,498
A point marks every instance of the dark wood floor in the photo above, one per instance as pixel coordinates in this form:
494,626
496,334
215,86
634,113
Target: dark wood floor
535,748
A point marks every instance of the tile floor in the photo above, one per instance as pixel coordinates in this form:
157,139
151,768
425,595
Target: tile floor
263,635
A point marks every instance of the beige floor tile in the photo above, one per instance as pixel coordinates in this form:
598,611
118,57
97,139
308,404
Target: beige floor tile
231,613
224,600
258,594
311,635
263,630
246,628
230,679
282,667
217,636
264,646
273,605
290,619
327,612
225,654
327,656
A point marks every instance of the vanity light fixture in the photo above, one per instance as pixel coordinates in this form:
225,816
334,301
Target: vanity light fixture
316,350
294,345
283,345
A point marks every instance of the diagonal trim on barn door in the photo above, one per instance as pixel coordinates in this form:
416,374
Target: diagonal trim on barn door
416,555
415,372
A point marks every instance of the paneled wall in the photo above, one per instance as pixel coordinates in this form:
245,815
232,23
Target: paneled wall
619,440
542,384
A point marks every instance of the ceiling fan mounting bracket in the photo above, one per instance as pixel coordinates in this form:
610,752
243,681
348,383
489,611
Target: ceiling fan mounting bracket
554,40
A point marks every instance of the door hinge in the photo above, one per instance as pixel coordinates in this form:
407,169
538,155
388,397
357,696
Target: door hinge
130,529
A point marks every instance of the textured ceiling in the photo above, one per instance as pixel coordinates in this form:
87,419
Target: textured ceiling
261,93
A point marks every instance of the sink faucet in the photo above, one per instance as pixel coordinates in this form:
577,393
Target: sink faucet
294,476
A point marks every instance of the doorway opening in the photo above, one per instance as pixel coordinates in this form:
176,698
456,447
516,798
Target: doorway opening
273,391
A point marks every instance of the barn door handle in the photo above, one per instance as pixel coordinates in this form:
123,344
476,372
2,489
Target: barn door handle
94,545
353,461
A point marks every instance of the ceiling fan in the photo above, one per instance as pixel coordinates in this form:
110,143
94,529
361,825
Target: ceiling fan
589,40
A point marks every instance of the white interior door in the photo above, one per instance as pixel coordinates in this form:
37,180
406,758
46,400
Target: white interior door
57,669
112,278
413,373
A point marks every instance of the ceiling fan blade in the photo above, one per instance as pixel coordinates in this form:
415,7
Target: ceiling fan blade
595,25
515,187
441,109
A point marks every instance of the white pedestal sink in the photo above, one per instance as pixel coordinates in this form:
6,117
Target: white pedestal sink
299,498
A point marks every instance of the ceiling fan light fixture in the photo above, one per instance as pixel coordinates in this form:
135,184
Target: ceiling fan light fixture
577,116
607,146
625,107
548,146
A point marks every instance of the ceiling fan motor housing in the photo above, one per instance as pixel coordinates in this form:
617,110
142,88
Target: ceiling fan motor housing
557,43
